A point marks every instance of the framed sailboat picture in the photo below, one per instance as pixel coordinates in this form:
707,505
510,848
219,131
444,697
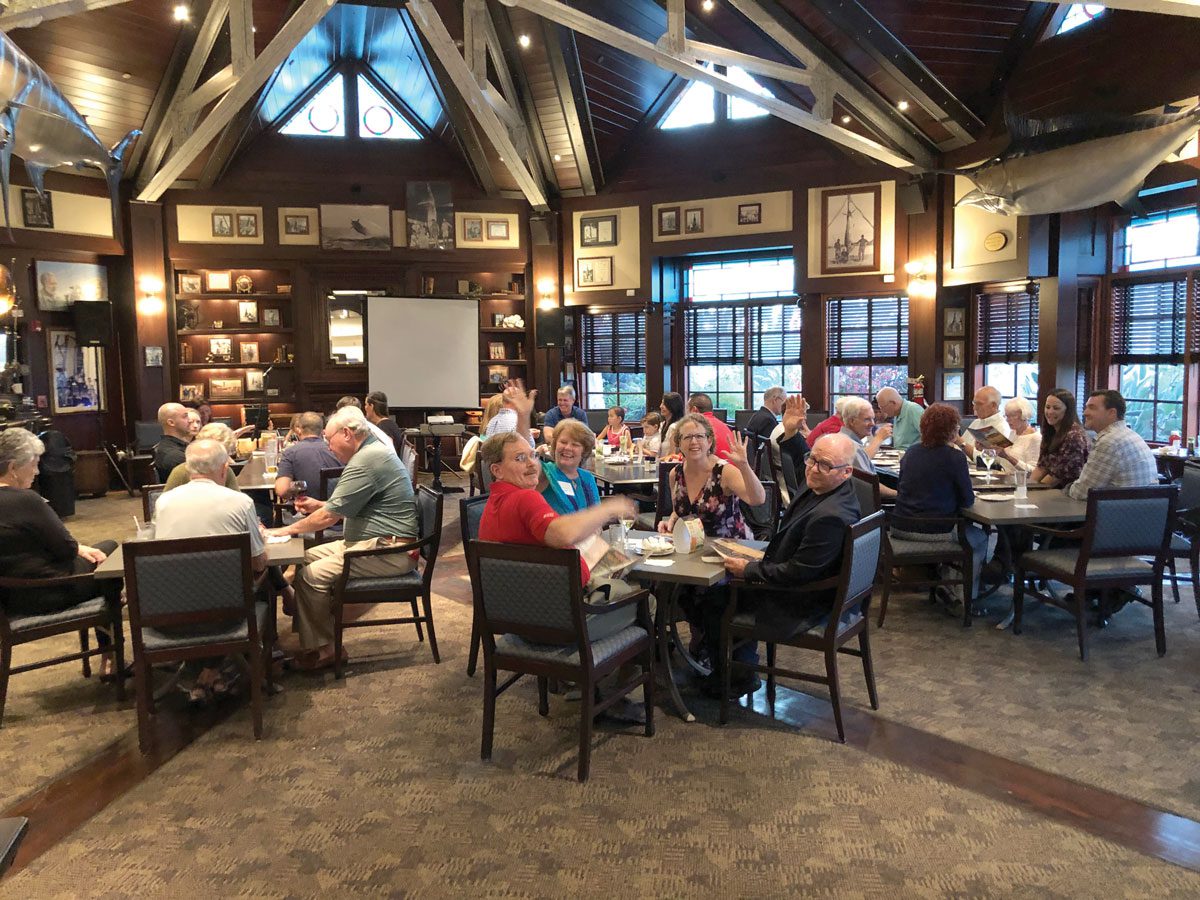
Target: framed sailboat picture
850,229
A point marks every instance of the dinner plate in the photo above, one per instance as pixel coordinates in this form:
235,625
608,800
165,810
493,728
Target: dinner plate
661,551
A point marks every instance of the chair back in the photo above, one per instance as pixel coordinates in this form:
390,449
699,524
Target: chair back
860,564
189,581
742,417
662,503
764,518
485,474
146,435
1189,491
1129,522
470,514
532,592
596,419
755,445
722,415
150,495
429,517
329,480
866,490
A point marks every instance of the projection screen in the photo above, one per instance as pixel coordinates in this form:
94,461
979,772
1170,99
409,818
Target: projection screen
424,351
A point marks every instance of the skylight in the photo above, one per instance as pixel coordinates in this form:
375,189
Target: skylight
324,115
379,119
744,109
1079,14
698,102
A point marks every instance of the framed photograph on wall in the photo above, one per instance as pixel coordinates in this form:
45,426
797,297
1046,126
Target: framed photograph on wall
189,283
254,381
598,231
952,385
472,228
154,357
76,374
247,225
497,229
597,271
429,211
37,211
218,282
220,349
497,374
191,392
297,225
248,312
349,227
495,350
955,322
693,220
851,229
222,224
953,353
271,317
668,220
248,352
224,388
59,284
749,213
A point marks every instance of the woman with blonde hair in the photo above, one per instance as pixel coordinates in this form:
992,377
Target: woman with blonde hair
565,484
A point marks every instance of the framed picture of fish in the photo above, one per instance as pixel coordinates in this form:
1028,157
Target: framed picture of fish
76,374
349,227
59,284
851,229
37,211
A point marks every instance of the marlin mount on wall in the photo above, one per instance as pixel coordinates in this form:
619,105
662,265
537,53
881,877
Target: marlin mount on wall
40,125
1076,162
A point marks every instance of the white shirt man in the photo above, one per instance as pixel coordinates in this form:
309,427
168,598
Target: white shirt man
987,403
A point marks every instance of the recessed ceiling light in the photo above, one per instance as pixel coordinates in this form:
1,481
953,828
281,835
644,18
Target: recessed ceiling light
524,41
902,105
707,5
126,75
182,13
558,157
845,120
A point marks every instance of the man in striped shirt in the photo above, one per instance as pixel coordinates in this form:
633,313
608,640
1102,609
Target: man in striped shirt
1120,458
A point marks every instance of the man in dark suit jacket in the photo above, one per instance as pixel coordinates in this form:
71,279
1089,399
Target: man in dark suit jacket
806,548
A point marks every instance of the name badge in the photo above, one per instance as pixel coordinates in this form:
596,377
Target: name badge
567,488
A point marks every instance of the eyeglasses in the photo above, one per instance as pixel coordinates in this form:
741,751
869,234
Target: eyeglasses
822,466
701,436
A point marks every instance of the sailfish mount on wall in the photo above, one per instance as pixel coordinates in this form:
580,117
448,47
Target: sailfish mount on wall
41,126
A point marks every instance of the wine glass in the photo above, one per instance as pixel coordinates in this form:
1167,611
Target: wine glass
297,489
989,457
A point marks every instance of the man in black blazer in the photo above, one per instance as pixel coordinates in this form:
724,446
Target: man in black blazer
806,548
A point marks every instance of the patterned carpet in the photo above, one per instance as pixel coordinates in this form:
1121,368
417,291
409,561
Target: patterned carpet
373,786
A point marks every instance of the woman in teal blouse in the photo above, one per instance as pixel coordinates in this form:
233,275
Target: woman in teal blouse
567,487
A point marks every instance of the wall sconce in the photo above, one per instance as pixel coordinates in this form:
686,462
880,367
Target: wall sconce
151,302
921,284
545,287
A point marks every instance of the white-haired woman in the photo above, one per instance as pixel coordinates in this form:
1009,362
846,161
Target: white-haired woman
213,431
34,543
1027,440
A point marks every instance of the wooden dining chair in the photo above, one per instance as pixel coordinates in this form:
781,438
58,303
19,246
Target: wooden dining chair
98,612
763,518
193,598
397,588
328,481
470,514
953,550
1122,526
534,621
150,495
828,632
1185,533
866,490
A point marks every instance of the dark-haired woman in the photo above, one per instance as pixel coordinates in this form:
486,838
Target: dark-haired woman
1064,443
935,483
672,411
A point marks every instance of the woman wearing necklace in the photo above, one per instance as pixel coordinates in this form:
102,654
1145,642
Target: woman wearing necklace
567,487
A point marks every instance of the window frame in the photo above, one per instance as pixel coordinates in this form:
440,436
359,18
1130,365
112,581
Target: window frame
586,354
870,360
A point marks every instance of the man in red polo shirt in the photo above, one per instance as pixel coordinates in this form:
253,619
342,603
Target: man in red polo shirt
517,514
702,403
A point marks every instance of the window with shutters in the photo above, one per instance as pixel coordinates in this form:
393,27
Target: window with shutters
613,361
1159,241
1149,331
866,345
1006,331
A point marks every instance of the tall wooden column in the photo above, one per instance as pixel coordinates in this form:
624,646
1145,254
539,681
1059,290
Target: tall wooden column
148,317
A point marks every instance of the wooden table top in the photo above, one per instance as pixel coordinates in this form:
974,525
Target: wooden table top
626,473
1047,506
253,476
283,554
687,568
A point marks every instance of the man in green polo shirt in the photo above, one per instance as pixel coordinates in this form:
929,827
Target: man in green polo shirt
905,416
374,497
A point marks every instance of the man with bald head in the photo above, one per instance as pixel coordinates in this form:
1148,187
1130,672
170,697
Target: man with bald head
806,548
905,416
987,403
177,434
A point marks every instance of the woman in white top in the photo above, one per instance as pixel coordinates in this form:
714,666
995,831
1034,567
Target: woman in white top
1027,440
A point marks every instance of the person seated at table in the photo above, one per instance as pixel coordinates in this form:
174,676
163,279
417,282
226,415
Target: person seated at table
702,404
566,486
616,429
213,431
806,548
709,488
505,419
651,439
671,409
375,408
565,408
788,445
1027,440
206,506
766,418
516,513
177,434
1064,446
935,481
374,497
833,424
986,403
905,416
379,433
1119,458
304,460
859,416
34,543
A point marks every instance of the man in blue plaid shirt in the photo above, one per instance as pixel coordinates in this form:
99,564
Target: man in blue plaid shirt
1120,458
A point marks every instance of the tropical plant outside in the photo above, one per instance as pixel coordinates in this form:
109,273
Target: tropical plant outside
1153,395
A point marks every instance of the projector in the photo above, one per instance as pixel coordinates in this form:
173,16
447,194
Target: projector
439,420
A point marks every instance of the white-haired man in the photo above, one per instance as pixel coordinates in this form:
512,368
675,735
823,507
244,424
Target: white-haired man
986,403
177,434
859,418
374,497
766,417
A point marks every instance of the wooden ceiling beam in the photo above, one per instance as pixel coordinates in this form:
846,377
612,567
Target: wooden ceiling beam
676,34
438,38
568,85
293,31
636,46
521,124
809,77
28,13
241,35
1189,8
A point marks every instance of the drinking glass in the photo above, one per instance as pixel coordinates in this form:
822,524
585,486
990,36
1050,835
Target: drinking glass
989,457
297,490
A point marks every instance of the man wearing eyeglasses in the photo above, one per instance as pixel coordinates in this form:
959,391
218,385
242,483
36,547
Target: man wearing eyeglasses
806,548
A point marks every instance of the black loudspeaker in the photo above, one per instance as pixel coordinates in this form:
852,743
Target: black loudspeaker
542,228
93,322
912,198
549,328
